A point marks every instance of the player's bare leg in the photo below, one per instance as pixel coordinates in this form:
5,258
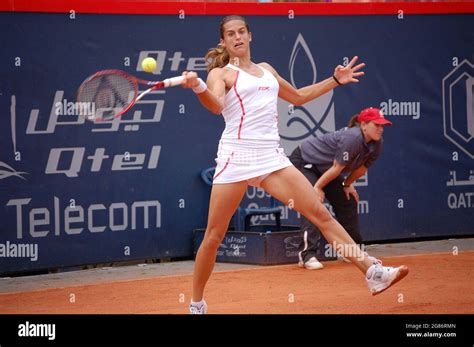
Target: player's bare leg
291,187
225,198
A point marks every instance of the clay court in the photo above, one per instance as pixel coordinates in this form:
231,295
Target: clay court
438,283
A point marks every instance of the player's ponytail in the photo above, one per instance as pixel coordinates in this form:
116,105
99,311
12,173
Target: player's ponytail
354,122
218,56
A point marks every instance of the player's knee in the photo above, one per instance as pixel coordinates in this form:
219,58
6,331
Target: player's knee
213,238
321,214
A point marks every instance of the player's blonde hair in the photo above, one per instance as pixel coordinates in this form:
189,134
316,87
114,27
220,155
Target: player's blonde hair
218,56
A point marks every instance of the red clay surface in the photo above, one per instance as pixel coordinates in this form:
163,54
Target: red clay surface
437,283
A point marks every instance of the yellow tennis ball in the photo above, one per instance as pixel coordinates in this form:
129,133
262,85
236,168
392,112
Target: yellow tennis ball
149,64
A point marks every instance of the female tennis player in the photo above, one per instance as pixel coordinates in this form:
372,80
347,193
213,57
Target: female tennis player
246,94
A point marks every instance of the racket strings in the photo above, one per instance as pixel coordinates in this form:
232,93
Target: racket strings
109,94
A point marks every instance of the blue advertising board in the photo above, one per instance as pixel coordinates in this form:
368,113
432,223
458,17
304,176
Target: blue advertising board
73,192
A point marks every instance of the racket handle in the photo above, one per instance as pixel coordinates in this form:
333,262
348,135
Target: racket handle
173,81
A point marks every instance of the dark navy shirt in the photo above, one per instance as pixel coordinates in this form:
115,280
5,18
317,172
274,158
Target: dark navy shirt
347,146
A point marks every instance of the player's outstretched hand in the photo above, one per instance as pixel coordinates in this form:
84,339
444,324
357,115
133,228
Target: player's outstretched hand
350,72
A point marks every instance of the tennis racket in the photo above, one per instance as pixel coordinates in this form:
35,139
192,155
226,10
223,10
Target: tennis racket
111,93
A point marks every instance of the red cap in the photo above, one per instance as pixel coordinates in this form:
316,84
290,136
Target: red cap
374,115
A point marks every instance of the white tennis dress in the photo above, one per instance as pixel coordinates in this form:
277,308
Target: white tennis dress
249,148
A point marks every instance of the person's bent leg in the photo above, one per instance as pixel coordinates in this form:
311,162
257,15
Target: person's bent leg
345,209
309,246
310,235
346,213
225,198
292,188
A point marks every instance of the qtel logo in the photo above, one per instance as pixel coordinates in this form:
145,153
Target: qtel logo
296,123
458,107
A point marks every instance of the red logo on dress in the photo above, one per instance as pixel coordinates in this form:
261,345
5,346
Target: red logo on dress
263,88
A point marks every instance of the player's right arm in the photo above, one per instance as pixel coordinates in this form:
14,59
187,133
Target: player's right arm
213,97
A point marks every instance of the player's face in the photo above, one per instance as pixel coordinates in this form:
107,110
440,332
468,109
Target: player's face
236,38
373,131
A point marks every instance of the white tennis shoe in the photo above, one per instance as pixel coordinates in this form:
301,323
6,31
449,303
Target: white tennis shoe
311,264
380,278
198,307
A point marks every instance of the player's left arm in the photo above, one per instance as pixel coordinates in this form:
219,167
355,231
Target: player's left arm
301,96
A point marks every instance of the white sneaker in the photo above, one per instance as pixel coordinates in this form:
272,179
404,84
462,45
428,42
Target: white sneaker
311,264
198,307
380,278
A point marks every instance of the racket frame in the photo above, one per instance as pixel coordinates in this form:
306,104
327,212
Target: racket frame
154,85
